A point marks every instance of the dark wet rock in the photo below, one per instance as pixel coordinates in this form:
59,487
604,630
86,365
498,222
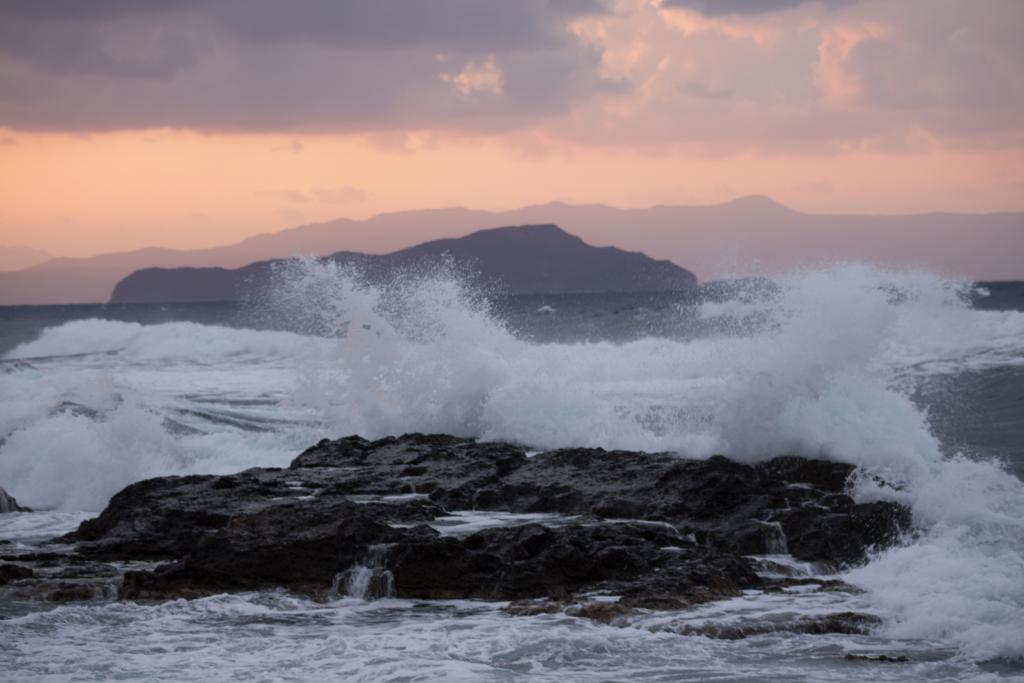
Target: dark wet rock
840,622
533,560
654,529
51,559
74,592
888,659
619,613
655,602
716,497
613,613
14,572
86,570
450,469
532,608
298,544
9,504
819,474
849,623
818,584
843,534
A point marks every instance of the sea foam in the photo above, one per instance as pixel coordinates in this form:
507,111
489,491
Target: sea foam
818,365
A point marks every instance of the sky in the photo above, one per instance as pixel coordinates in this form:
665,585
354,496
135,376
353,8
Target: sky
130,123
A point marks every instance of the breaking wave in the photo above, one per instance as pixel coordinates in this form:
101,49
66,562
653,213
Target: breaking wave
822,364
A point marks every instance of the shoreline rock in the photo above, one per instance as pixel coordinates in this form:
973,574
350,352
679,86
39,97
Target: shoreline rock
9,504
437,517
652,527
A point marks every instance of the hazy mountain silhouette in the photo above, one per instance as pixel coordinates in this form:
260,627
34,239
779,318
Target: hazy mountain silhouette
751,235
17,257
519,260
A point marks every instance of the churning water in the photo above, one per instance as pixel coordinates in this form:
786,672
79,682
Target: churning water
895,372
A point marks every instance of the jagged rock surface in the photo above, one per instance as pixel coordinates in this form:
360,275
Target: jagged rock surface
9,504
653,528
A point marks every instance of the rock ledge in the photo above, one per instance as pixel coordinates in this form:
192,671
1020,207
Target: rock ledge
437,516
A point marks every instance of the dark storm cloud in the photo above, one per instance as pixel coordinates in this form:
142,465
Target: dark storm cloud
719,7
454,25
262,64
77,10
448,25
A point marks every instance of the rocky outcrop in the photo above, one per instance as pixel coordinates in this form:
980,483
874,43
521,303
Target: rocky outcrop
739,508
9,504
436,516
14,572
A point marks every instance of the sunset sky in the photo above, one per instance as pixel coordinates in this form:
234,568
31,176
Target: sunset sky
128,123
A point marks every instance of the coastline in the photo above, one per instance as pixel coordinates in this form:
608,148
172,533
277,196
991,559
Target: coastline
601,534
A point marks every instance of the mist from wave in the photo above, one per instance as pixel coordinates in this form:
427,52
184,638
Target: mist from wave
823,363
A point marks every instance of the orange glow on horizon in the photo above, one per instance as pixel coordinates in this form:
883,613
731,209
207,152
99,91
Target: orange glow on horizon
82,195
828,107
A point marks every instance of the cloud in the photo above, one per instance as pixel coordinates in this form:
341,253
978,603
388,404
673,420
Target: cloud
723,7
719,76
878,75
477,77
64,38
465,26
834,78
961,59
955,72
698,89
462,25
317,65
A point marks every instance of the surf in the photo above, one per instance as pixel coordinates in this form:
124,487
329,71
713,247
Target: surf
823,363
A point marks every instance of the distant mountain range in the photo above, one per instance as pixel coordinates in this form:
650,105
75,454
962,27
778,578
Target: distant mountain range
519,260
750,236
17,257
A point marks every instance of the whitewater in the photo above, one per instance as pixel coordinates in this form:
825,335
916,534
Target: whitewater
850,363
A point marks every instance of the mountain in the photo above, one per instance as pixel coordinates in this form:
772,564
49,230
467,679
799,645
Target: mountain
91,280
751,236
521,260
17,257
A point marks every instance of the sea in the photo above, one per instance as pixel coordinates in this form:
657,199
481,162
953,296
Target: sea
915,378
